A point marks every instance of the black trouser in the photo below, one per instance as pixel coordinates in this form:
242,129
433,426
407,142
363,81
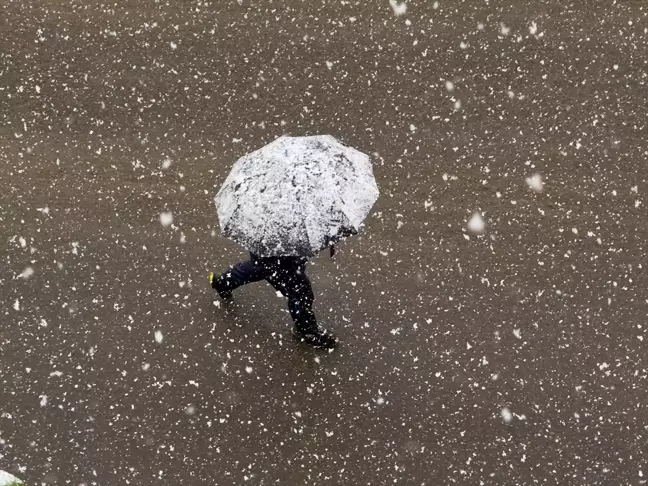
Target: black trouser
286,274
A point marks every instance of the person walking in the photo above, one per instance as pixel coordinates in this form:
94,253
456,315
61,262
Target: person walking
285,203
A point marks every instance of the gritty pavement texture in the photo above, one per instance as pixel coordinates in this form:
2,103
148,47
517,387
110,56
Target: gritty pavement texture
506,347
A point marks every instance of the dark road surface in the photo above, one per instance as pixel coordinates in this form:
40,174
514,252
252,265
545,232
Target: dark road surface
516,356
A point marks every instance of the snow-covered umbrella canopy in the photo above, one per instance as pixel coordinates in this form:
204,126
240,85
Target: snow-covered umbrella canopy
296,196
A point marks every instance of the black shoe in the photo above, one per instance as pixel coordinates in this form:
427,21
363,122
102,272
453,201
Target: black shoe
226,295
317,337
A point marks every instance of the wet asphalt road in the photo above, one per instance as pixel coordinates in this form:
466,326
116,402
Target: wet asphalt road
516,356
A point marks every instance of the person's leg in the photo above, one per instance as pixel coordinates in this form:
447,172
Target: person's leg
240,274
300,302
293,283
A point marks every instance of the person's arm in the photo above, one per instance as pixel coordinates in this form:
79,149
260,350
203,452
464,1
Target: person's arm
342,233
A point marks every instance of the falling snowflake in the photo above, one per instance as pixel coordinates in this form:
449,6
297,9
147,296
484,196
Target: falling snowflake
535,182
166,218
533,28
27,273
506,415
476,223
398,8
159,337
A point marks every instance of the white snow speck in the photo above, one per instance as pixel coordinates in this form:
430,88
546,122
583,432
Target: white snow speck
43,400
398,8
27,273
535,182
506,415
166,219
248,370
533,28
166,163
449,85
159,337
476,223
504,30
380,400
23,242
16,305
517,333
174,46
